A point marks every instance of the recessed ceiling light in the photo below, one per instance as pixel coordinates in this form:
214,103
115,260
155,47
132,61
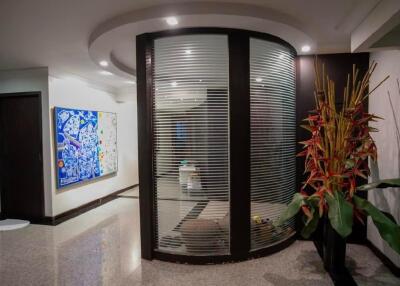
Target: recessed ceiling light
172,21
106,73
188,52
305,48
281,56
258,79
103,63
200,80
130,82
174,84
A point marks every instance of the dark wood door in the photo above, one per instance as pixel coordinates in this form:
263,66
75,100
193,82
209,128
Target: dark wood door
21,167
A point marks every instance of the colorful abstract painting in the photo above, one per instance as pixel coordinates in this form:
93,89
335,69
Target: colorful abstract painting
86,145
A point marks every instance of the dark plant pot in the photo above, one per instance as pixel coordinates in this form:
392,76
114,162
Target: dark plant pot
334,250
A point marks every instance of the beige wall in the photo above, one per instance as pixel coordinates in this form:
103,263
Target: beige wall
388,142
74,93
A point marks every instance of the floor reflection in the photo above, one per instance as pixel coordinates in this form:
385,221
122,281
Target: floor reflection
97,248
102,247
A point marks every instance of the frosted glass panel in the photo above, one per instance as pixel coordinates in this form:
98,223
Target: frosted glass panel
191,144
273,139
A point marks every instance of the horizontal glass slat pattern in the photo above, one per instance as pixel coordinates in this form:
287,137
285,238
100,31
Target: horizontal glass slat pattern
273,139
191,144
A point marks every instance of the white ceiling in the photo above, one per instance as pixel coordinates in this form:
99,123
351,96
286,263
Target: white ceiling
69,36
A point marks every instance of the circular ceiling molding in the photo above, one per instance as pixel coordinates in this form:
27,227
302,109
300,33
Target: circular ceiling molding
114,40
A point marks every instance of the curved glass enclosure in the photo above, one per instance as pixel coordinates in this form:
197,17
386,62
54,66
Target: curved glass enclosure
273,137
191,144
217,119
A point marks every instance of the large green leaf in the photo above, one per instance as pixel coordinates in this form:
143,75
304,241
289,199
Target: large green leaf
388,229
291,210
388,183
340,213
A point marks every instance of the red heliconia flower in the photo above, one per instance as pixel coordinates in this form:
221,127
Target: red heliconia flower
336,153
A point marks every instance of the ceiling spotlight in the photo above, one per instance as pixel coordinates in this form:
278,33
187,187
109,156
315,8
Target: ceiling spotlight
200,80
305,48
281,56
103,63
174,84
106,73
258,79
188,52
172,21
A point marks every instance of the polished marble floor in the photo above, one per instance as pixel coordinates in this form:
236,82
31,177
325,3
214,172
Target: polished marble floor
102,247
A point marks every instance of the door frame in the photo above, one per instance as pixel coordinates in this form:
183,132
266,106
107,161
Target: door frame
37,94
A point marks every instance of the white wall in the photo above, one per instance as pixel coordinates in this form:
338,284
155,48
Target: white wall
73,93
77,94
387,142
27,80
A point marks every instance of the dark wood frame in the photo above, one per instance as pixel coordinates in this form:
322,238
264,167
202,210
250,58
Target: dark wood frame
144,60
239,130
218,259
37,94
239,88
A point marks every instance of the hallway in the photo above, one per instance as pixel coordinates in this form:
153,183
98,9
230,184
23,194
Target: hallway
102,247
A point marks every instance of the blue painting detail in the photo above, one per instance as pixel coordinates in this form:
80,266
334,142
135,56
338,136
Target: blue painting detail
77,145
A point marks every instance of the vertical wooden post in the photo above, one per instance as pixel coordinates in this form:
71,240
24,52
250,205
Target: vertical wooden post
239,119
144,46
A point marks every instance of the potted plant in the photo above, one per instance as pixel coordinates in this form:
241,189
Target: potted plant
336,154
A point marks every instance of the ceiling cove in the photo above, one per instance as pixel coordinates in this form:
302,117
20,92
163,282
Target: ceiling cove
114,40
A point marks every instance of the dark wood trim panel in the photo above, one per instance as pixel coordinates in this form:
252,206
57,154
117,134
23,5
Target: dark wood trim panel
144,60
62,217
239,129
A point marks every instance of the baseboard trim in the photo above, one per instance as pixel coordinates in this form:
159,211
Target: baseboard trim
385,260
62,217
